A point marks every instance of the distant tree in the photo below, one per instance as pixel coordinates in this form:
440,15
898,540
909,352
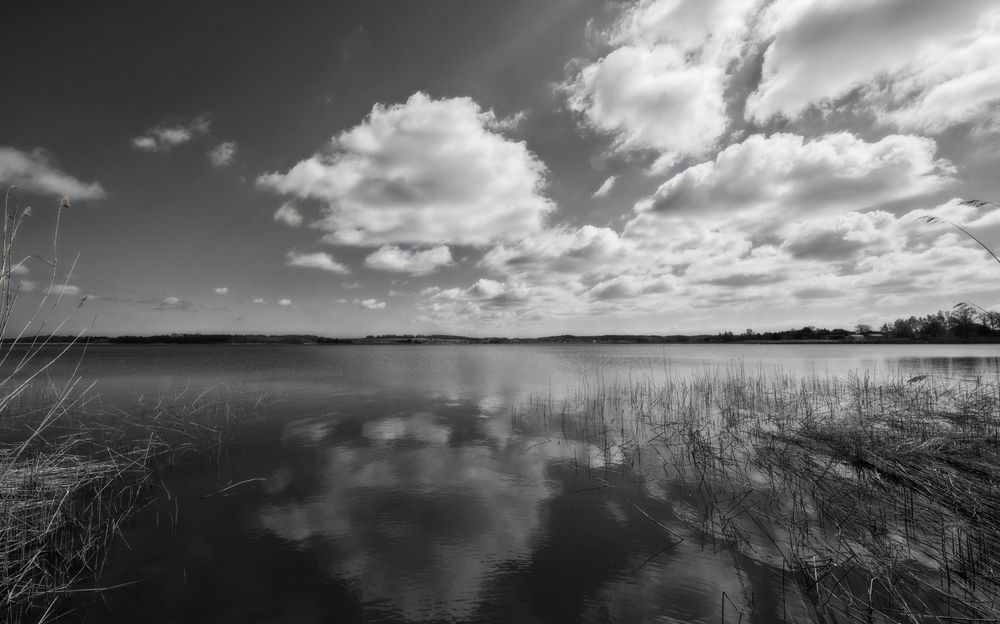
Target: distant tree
962,321
904,328
991,320
933,326
863,329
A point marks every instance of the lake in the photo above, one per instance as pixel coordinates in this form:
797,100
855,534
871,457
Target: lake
434,484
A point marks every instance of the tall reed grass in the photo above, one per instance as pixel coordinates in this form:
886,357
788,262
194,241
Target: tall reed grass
869,500
72,470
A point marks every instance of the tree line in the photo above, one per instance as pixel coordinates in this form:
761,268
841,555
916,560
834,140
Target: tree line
964,322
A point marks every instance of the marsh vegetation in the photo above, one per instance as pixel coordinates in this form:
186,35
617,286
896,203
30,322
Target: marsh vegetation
869,500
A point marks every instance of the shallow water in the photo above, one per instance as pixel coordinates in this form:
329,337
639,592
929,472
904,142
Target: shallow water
434,483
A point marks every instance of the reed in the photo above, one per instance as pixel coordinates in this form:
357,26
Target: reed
73,470
878,497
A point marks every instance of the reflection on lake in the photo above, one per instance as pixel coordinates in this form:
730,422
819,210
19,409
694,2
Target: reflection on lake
416,513
422,483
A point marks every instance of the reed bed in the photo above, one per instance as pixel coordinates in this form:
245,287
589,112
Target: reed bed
68,485
875,499
59,509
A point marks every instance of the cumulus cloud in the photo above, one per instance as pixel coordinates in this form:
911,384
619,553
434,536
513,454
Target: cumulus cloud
554,253
319,260
284,302
632,91
223,154
764,180
771,221
289,215
955,85
221,290
663,85
424,172
392,259
842,237
36,172
674,265
169,134
370,304
921,64
259,300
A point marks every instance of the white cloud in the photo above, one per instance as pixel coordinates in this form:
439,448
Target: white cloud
370,304
284,302
605,187
319,260
684,266
289,215
947,86
706,28
392,259
652,99
663,86
223,154
555,253
259,300
425,172
507,123
221,290
768,180
172,301
145,143
629,286
169,134
63,289
841,237
490,303
36,172
922,64
772,223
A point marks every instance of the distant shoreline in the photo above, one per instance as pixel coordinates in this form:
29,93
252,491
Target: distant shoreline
437,339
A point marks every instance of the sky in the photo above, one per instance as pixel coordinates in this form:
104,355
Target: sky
518,168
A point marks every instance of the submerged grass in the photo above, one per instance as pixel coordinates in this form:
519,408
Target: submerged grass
878,497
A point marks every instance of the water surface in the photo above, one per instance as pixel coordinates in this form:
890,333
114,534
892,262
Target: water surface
434,484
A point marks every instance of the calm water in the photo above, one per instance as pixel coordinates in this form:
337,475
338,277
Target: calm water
410,483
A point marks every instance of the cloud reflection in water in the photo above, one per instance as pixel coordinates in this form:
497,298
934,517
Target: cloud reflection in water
418,511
